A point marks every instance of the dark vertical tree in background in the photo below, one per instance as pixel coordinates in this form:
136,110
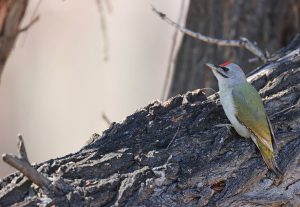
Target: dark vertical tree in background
270,23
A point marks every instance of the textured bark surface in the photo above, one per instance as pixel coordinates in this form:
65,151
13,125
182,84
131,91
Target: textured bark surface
171,154
11,15
270,23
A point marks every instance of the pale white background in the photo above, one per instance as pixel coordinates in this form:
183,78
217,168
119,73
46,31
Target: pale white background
56,84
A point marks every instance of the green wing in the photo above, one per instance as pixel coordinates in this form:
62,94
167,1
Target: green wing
250,112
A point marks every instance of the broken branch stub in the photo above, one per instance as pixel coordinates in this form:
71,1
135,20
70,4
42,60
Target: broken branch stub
22,164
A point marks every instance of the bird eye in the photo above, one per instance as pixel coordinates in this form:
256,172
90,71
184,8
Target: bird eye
225,69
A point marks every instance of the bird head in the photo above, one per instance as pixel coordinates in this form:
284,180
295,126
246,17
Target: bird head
228,73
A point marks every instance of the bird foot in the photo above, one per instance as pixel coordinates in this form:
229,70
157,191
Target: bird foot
229,127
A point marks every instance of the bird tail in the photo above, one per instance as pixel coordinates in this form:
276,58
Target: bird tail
272,165
269,159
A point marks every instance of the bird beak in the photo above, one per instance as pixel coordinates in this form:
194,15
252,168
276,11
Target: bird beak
212,66
216,70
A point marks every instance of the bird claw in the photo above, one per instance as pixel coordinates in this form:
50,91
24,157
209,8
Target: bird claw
229,128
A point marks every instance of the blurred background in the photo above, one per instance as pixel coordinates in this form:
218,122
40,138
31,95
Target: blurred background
56,83
82,59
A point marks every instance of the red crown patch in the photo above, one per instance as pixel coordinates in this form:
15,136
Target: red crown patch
225,64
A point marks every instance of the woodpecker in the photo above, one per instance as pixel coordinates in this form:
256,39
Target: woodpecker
244,109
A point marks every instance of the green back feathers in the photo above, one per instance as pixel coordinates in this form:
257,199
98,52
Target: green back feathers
251,113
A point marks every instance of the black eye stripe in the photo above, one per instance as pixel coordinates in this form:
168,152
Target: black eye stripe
224,68
224,76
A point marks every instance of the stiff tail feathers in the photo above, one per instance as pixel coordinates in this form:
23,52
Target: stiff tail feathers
272,165
270,161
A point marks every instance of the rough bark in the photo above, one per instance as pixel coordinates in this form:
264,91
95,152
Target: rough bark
11,15
171,154
270,23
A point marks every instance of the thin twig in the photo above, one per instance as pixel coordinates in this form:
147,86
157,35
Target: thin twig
173,138
103,29
106,119
24,29
36,8
22,164
32,22
171,55
242,42
34,17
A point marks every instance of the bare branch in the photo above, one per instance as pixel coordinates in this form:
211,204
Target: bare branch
242,42
22,164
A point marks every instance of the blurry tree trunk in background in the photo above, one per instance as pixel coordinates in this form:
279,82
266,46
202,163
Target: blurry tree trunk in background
270,23
11,15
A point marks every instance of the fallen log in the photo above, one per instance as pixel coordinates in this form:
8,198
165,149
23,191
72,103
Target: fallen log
172,154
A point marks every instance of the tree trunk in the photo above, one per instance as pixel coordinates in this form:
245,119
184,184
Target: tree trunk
172,154
11,15
271,23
